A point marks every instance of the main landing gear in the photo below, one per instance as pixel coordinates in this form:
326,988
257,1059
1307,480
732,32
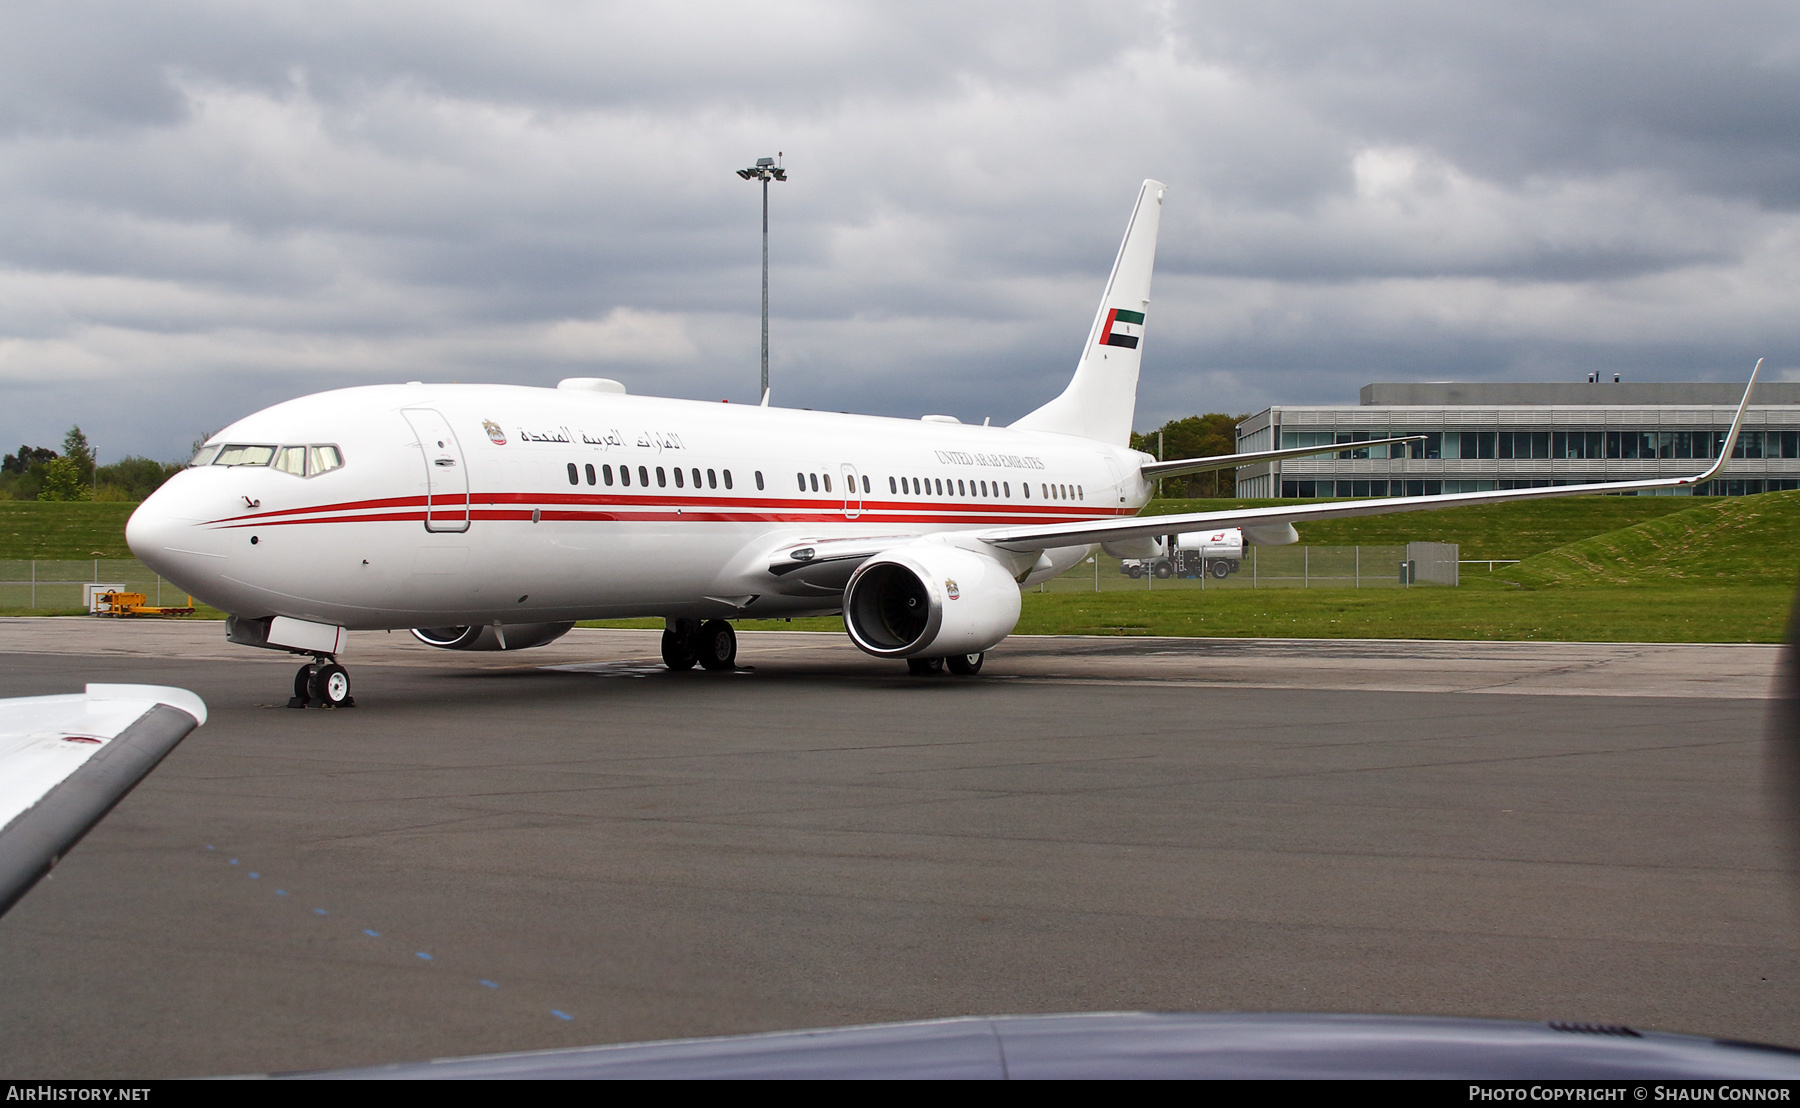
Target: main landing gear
963,665
713,644
322,682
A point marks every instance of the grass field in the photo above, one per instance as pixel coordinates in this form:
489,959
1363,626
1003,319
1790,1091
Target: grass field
1620,569
33,529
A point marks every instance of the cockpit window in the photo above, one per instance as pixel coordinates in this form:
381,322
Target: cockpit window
301,461
205,455
237,454
321,459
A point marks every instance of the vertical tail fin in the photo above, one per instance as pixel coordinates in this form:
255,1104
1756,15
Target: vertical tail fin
1102,398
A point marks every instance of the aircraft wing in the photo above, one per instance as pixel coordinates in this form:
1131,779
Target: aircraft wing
1028,538
1180,466
66,760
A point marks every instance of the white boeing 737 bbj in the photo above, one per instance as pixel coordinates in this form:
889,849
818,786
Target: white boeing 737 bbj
491,517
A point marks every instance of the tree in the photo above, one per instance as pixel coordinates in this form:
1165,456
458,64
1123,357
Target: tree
21,462
77,450
63,481
1201,436
134,478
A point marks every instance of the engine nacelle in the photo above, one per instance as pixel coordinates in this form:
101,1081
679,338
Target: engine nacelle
511,636
932,601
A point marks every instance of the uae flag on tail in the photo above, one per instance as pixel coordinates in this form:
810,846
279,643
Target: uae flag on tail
1124,327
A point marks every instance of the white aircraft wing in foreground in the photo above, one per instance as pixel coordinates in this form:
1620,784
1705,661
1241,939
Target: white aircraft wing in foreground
66,760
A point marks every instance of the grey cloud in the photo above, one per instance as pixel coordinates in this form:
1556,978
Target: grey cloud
231,204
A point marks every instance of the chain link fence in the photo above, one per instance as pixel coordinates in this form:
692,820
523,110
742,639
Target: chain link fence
1274,567
54,585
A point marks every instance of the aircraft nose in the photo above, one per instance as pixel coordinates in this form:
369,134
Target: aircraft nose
165,533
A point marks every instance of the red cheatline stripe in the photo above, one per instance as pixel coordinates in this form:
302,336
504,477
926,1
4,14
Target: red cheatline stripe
952,511
663,515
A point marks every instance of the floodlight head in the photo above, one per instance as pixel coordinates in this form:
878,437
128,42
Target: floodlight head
762,162
746,174
780,174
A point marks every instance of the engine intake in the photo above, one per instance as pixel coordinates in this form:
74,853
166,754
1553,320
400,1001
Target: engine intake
930,600
512,636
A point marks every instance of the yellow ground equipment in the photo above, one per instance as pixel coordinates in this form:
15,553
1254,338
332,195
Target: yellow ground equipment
135,604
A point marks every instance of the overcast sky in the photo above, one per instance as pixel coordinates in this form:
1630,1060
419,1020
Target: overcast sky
206,208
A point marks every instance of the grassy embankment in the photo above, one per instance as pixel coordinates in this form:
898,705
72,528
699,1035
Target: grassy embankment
1709,570
1620,569
1595,568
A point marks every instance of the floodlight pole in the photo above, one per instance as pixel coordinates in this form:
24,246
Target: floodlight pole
765,170
765,314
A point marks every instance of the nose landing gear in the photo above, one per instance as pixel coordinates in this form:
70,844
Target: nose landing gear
322,682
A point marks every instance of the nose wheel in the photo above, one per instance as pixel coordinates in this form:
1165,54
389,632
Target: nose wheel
324,683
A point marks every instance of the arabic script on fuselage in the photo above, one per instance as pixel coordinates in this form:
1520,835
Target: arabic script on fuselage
611,438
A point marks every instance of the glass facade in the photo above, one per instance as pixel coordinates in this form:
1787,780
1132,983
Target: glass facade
1477,448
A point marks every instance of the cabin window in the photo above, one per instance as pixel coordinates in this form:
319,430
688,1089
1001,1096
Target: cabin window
959,488
237,455
865,482
759,479
1080,492
1006,486
984,488
828,482
712,482
727,477
1025,487
891,488
591,479
697,478
574,479
625,475
801,477
644,476
678,478
661,481
606,474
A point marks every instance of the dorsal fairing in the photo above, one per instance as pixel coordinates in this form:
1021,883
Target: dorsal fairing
1101,399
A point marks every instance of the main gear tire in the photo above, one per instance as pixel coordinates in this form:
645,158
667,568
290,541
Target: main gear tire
716,645
965,665
678,651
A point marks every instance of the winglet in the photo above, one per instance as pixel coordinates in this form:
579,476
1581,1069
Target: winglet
1737,424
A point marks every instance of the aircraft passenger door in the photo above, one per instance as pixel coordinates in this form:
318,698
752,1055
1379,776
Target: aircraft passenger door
852,493
446,477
